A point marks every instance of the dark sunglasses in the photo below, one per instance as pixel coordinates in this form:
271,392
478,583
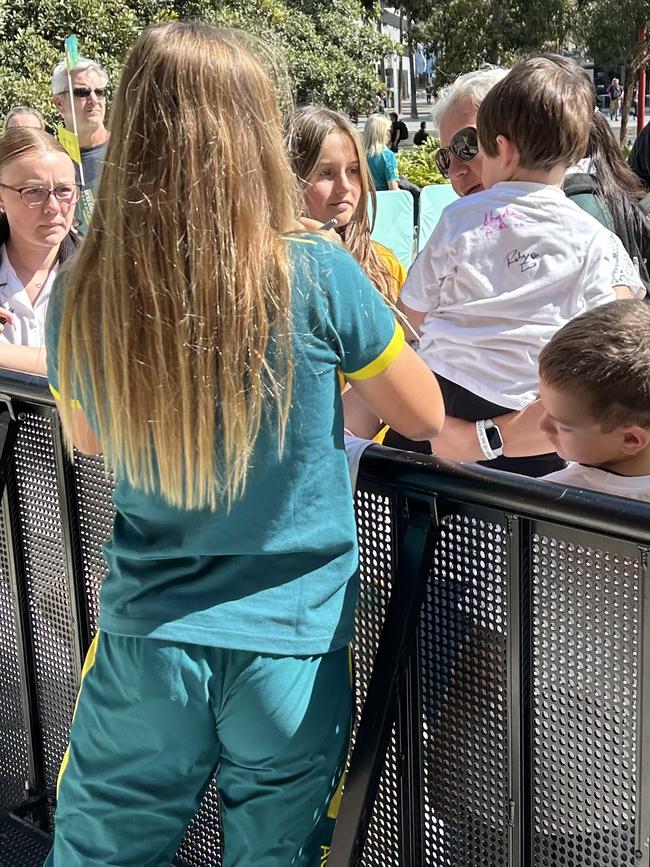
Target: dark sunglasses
464,146
84,92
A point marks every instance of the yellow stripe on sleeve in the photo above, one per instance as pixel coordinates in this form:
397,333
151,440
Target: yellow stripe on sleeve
384,360
57,396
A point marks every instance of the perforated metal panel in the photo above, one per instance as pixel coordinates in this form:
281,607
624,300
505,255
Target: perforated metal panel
585,611
50,605
376,533
463,665
20,844
14,765
96,512
202,843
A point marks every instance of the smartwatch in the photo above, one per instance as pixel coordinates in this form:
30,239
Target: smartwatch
490,439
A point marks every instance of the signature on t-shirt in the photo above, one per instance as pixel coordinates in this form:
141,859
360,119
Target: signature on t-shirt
496,221
526,261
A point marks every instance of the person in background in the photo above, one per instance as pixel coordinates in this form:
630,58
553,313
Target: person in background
381,160
421,135
639,158
604,185
398,131
38,193
507,267
328,159
615,92
196,343
23,116
595,391
89,89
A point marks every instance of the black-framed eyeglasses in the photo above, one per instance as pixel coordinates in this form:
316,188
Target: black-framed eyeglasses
464,146
36,197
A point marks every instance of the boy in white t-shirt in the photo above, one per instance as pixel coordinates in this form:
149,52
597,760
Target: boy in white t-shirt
595,390
507,267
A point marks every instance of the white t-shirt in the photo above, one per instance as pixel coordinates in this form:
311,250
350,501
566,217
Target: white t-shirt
503,270
593,479
29,320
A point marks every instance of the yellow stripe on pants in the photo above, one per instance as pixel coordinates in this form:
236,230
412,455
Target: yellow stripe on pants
88,664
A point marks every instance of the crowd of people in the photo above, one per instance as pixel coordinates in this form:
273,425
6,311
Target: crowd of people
220,324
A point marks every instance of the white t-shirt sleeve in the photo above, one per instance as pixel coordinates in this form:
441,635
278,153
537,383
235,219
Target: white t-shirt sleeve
624,271
421,290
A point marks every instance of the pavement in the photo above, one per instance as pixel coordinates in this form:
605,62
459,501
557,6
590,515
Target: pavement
413,124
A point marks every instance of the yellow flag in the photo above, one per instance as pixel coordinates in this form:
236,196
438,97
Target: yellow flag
70,142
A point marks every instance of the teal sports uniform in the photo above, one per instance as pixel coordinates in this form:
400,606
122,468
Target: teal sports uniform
383,168
223,635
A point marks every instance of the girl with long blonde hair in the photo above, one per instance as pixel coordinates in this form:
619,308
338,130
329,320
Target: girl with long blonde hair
328,158
196,342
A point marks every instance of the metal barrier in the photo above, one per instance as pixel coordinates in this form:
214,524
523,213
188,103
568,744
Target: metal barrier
501,660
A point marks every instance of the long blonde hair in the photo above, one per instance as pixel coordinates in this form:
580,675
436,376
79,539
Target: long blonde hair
176,321
310,127
375,134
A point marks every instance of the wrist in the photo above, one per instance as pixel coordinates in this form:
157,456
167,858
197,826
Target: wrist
489,439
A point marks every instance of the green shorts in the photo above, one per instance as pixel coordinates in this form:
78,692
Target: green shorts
156,719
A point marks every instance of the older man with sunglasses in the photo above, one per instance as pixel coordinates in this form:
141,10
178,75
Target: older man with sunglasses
88,103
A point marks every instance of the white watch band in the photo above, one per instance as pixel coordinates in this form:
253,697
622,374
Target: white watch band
483,441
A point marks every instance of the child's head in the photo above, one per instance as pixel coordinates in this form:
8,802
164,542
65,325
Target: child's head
328,158
327,155
595,385
535,119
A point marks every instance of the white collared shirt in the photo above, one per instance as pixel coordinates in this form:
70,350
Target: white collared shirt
29,319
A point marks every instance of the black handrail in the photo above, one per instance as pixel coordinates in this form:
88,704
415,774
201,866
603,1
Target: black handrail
532,498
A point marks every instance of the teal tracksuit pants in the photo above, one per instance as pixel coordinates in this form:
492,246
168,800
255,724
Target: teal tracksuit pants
155,719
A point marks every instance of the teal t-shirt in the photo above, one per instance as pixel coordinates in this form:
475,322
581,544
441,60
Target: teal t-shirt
383,168
276,574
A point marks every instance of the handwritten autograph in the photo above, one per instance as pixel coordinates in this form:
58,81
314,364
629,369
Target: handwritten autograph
496,221
526,261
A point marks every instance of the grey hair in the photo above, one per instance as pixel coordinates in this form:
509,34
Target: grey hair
22,109
375,134
60,75
471,85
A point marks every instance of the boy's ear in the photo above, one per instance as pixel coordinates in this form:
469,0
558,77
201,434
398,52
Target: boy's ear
635,439
508,151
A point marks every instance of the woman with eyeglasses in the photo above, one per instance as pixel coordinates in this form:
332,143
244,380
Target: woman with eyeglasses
37,201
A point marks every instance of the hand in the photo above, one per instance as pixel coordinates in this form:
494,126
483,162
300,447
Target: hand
308,225
7,317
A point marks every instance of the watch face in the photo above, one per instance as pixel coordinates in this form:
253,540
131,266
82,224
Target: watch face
494,438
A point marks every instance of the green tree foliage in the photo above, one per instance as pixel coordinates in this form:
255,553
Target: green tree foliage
610,30
331,48
463,34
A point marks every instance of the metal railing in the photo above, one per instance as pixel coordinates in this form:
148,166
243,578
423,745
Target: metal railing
501,662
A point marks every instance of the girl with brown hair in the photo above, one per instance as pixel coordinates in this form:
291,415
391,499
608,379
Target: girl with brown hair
196,342
328,158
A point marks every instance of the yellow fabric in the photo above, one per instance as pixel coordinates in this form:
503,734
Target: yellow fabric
88,664
335,803
57,396
384,360
392,264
